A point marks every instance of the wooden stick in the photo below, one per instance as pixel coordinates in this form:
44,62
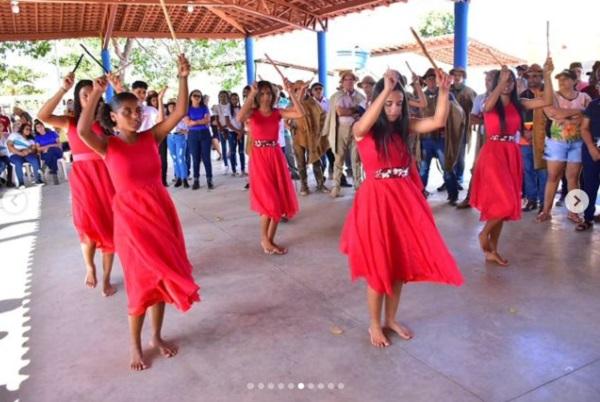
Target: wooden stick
547,38
78,63
496,59
423,48
276,68
122,67
170,25
95,59
410,69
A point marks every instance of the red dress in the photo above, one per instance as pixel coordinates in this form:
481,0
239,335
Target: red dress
271,189
390,235
148,235
498,175
91,192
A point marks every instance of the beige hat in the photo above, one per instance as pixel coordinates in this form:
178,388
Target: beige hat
367,79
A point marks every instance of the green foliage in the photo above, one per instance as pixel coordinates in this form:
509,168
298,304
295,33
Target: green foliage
37,50
67,60
437,23
18,80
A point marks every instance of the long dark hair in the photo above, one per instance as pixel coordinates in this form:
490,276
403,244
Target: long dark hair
76,100
232,108
261,85
112,106
514,99
383,129
201,98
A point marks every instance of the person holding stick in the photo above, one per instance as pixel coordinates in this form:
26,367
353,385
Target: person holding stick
272,192
390,236
498,175
147,234
92,189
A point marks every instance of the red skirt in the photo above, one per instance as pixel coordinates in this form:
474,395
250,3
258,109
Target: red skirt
498,181
92,192
390,236
272,192
151,247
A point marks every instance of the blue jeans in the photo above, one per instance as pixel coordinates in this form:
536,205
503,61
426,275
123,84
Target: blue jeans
51,158
459,168
591,181
434,148
177,144
200,143
223,137
534,180
18,161
236,146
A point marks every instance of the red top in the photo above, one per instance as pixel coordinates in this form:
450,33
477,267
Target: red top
265,128
397,154
76,144
491,121
133,165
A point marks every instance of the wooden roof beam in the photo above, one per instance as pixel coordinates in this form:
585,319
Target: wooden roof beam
254,12
228,19
108,28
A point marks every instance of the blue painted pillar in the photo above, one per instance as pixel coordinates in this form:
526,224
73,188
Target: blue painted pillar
322,59
250,72
461,39
107,66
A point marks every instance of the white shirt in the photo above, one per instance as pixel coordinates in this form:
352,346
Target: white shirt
181,127
324,102
222,111
234,121
19,142
281,139
149,117
3,146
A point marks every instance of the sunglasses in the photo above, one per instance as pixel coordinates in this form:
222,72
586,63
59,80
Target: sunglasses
196,96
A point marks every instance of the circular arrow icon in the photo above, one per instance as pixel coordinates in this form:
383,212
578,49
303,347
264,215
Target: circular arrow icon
14,202
577,201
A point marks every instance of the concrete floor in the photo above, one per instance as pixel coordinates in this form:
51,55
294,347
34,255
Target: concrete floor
526,333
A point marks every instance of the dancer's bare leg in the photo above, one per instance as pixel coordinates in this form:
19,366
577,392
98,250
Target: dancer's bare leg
136,322
494,238
265,241
375,301
157,313
271,233
88,249
391,309
107,263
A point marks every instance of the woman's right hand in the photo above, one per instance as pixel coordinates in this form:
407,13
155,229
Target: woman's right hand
68,81
253,89
100,84
390,79
504,75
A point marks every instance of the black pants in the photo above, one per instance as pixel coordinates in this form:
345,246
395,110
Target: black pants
591,181
5,161
162,150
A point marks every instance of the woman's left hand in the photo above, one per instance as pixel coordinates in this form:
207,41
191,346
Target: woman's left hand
443,80
183,66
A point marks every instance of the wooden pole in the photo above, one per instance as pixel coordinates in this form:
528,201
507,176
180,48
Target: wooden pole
423,48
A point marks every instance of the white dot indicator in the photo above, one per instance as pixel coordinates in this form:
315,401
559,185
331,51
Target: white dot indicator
321,385
250,385
291,386
300,386
261,385
271,385
331,385
281,385
311,385
341,385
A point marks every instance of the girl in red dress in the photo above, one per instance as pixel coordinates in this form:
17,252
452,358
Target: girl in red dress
272,192
498,175
390,236
148,235
91,187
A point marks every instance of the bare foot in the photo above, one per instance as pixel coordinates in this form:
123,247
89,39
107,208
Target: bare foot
268,247
90,277
495,258
108,289
280,250
165,349
402,330
378,339
137,360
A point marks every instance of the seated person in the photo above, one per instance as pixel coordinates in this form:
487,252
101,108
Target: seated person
22,148
49,148
5,162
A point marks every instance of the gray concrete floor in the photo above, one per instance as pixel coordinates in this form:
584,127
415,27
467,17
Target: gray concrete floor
529,332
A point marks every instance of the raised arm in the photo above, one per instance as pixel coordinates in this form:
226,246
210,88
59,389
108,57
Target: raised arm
84,127
421,101
296,111
492,99
442,108
164,127
248,106
548,96
46,112
115,82
161,105
368,119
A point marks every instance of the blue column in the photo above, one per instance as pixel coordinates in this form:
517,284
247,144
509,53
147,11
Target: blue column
250,72
106,63
461,39
322,58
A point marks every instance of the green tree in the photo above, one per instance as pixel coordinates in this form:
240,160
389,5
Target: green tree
19,80
437,23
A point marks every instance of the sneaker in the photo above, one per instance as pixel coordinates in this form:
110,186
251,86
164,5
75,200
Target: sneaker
344,182
460,187
196,184
453,201
234,173
55,179
178,183
22,187
185,183
40,182
10,184
560,202
442,188
247,186
530,206
210,184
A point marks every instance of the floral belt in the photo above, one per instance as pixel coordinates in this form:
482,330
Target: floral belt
503,138
265,143
391,173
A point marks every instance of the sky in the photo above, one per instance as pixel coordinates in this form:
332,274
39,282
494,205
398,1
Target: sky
517,27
